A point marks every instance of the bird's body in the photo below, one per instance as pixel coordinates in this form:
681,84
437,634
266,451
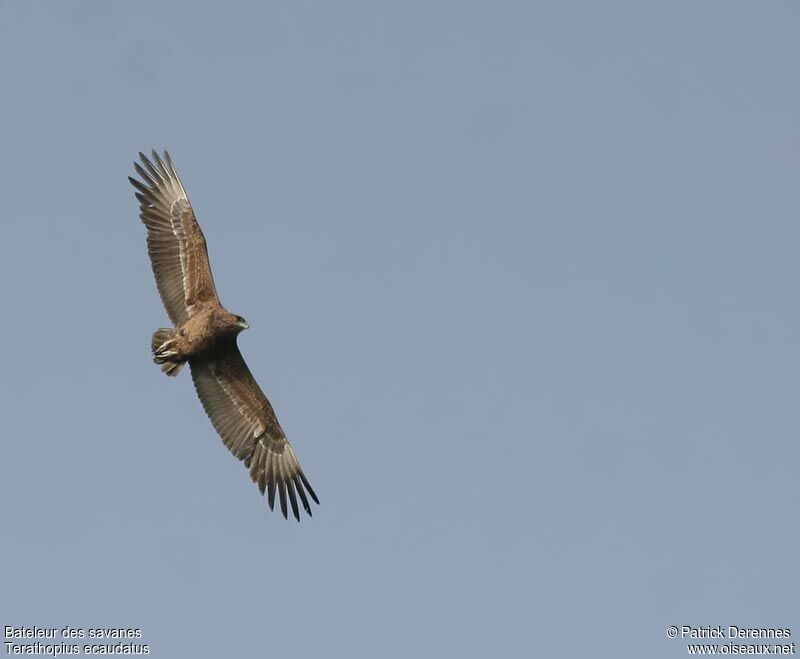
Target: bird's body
208,327
205,336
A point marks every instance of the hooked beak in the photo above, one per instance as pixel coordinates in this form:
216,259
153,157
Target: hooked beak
244,325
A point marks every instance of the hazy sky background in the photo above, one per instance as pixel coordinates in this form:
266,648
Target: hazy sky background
522,280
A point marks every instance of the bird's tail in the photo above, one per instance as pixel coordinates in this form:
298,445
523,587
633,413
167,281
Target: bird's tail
163,352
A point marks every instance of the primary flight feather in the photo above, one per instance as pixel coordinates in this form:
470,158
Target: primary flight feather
205,336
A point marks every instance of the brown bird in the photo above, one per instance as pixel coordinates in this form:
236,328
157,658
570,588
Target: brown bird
205,336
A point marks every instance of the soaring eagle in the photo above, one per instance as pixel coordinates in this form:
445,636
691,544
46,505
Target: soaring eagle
205,336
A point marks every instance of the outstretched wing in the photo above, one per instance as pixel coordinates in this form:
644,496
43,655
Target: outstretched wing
175,241
245,420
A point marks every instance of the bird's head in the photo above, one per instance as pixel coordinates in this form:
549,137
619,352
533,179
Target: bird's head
230,323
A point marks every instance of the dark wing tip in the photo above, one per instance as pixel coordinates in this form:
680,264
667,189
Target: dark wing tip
293,499
145,161
271,493
141,187
299,487
155,175
308,486
274,468
288,479
158,160
148,176
282,492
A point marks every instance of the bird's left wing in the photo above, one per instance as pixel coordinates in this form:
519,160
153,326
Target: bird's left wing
175,241
246,422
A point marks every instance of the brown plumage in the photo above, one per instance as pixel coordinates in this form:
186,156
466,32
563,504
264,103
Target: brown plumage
205,336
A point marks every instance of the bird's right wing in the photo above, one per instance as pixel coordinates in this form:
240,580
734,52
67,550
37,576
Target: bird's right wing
175,242
246,422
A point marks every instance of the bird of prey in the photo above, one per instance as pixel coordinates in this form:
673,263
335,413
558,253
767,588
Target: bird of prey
204,335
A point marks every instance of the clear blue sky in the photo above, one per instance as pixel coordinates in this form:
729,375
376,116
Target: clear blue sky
522,281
